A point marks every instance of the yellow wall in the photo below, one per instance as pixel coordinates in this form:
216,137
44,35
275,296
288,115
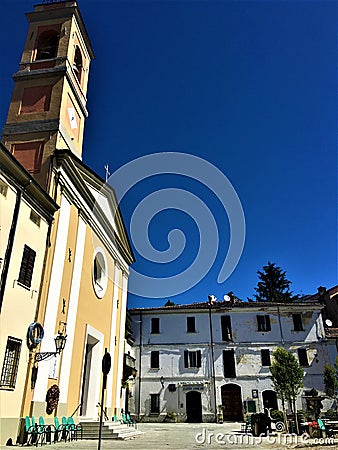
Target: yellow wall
92,311
19,304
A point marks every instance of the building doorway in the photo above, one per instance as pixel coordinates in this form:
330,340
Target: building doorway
269,400
232,402
90,378
194,406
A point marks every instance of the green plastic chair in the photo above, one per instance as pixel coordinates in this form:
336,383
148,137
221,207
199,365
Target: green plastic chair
49,430
30,431
74,428
130,420
66,430
35,432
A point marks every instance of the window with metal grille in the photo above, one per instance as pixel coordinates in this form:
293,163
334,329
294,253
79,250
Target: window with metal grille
229,364
297,322
11,363
155,360
155,403
191,328
192,359
265,357
226,328
27,266
302,357
263,323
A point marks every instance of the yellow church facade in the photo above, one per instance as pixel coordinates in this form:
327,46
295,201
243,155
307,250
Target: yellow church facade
84,276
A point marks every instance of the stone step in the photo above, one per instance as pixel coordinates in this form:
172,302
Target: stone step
110,430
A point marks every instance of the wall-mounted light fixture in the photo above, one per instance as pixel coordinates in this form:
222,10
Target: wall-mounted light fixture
162,381
60,342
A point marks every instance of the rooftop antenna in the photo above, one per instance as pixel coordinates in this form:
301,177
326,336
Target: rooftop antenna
106,168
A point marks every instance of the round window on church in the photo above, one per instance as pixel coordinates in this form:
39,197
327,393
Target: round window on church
100,273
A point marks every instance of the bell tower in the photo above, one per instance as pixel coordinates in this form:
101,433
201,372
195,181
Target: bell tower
48,106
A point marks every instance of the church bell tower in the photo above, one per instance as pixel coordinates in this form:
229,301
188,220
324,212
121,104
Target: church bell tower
48,106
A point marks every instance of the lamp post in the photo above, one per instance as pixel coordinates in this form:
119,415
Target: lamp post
60,342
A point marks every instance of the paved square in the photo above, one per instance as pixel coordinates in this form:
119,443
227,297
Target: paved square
183,436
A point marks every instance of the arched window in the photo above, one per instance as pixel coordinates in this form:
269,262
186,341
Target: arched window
77,65
47,45
99,272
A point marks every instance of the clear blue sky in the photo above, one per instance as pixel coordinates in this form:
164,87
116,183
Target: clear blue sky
249,86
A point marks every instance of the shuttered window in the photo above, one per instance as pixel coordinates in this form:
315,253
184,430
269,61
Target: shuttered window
154,403
191,328
226,328
302,357
229,364
192,359
155,325
155,360
27,266
265,357
297,322
263,323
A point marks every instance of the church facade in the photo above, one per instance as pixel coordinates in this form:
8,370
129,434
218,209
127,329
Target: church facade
84,280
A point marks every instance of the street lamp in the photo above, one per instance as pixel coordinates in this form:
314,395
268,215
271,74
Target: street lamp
60,342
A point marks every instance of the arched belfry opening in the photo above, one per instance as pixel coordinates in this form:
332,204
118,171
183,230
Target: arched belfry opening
47,45
77,66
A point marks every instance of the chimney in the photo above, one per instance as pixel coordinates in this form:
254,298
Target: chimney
211,299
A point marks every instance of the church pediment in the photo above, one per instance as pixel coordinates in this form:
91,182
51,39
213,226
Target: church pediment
99,198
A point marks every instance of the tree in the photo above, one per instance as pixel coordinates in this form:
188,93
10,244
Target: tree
273,285
287,377
331,381
169,303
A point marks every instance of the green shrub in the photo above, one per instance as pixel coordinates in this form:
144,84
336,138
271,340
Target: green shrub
277,415
330,414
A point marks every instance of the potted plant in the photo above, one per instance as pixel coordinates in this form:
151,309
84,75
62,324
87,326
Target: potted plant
220,414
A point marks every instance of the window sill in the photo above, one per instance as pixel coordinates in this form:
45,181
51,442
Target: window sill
28,288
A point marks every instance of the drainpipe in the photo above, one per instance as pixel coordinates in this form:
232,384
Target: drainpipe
10,243
280,327
212,363
139,372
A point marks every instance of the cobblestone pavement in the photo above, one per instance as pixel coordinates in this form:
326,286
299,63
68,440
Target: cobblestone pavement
174,436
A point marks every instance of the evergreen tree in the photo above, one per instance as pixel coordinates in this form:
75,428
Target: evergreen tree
273,285
287,377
